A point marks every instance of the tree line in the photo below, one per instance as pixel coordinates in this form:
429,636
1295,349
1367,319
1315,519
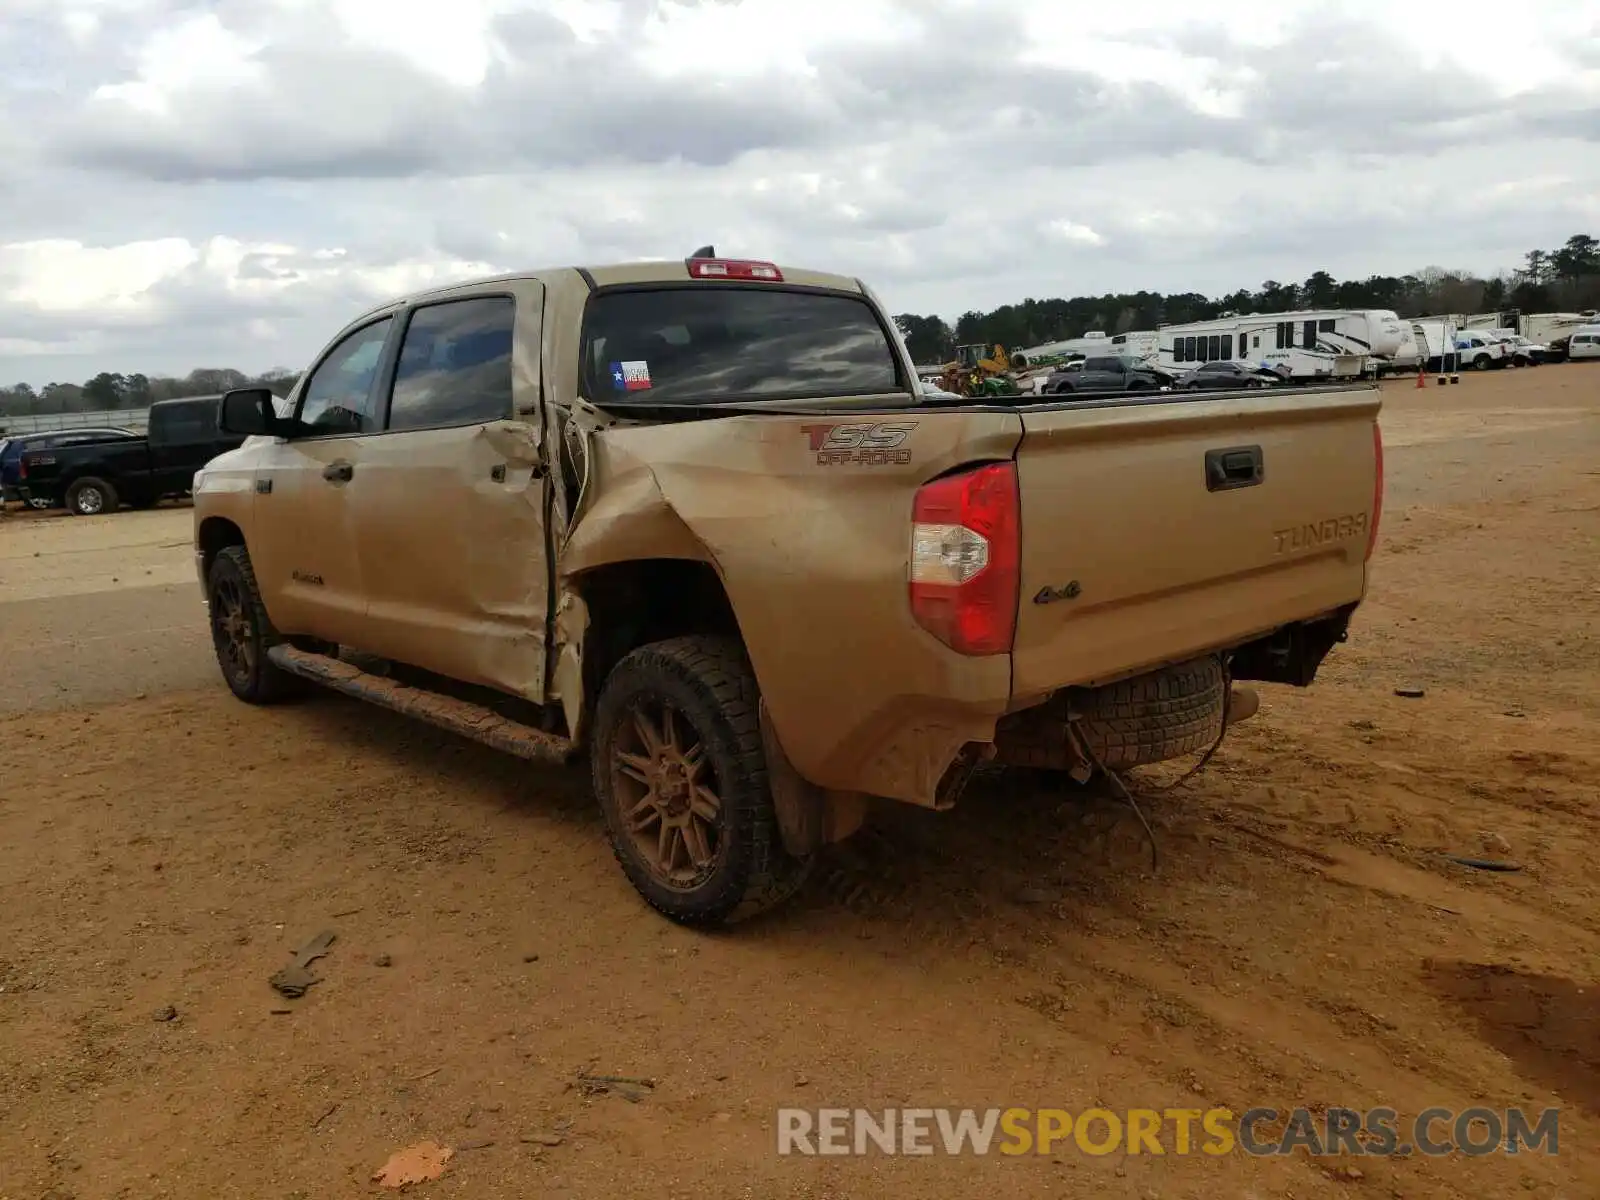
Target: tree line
1566,279
110,391
1563,280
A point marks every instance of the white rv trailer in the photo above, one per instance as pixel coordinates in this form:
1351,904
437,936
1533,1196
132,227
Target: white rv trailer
1376,333
1141,344
1409,357
1547,329
1090,343
1266,341
1436,340
1554,329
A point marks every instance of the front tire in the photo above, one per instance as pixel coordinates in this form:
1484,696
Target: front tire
241,634
681,777
91,497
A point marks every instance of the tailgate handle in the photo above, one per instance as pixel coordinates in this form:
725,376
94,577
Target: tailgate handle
1234,467
339,472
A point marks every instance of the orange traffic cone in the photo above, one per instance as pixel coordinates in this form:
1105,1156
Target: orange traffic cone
1421,380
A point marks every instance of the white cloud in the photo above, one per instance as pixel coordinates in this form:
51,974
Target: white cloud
227,181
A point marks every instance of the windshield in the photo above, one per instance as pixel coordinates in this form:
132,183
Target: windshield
711,344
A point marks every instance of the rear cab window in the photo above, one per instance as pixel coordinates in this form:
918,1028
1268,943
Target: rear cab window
1104,364
729,343
184,422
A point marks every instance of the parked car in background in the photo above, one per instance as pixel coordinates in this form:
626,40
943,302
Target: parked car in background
1480,351
99,477
1228,374
1110,373
11,450
1525,352
1585,344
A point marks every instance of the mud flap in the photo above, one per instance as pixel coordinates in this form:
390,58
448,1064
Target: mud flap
809,817
801,807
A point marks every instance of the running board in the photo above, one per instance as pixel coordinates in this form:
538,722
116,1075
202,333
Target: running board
446,712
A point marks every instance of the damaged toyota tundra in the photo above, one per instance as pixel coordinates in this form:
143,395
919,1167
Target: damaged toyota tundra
697,521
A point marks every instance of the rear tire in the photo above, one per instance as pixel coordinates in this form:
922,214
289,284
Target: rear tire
91,497
681,776
241,634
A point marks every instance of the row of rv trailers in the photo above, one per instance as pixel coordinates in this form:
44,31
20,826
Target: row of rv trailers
1343,344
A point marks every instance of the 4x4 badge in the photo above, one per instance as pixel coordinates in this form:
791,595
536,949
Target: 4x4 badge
1049,595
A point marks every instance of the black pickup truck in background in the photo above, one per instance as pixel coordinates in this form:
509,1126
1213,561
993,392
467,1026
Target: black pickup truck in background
101,477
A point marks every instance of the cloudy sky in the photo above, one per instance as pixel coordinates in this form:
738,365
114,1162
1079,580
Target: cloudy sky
224,182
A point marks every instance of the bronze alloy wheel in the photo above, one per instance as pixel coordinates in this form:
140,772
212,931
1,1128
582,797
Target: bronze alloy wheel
679,768
231,630
241,632
667,794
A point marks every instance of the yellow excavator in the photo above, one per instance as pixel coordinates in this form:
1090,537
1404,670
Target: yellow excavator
979,370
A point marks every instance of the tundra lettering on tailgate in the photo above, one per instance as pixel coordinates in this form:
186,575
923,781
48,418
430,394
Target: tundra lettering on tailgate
1319,533
866,443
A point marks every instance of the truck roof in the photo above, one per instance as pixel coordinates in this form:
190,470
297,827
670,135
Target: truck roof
615,274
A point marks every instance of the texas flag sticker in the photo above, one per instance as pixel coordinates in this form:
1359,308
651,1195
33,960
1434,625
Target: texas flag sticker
630,376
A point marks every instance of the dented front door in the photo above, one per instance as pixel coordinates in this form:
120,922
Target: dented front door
449,505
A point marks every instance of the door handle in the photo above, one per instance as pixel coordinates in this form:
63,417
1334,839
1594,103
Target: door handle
1235,467
339,472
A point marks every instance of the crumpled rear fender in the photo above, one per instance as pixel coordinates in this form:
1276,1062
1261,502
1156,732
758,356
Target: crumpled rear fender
811,547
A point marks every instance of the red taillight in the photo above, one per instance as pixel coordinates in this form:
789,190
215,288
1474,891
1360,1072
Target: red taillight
1377,488
22,468
729,268
965,559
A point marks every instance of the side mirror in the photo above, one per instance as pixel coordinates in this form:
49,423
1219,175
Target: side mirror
248,412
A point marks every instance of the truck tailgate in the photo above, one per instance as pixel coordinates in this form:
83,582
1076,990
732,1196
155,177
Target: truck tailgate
1144,541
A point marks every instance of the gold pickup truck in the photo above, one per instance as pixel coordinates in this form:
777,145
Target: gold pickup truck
699,519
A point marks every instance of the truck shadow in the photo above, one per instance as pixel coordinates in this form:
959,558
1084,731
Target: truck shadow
1017,840
1548,1026
415,746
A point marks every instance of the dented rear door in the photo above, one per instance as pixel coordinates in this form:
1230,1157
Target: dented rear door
1154,530
449,501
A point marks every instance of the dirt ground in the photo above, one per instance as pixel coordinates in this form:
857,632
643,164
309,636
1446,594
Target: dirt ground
1304,939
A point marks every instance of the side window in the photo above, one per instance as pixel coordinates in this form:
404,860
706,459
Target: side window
1326,325
338,396
1227,344
455,365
